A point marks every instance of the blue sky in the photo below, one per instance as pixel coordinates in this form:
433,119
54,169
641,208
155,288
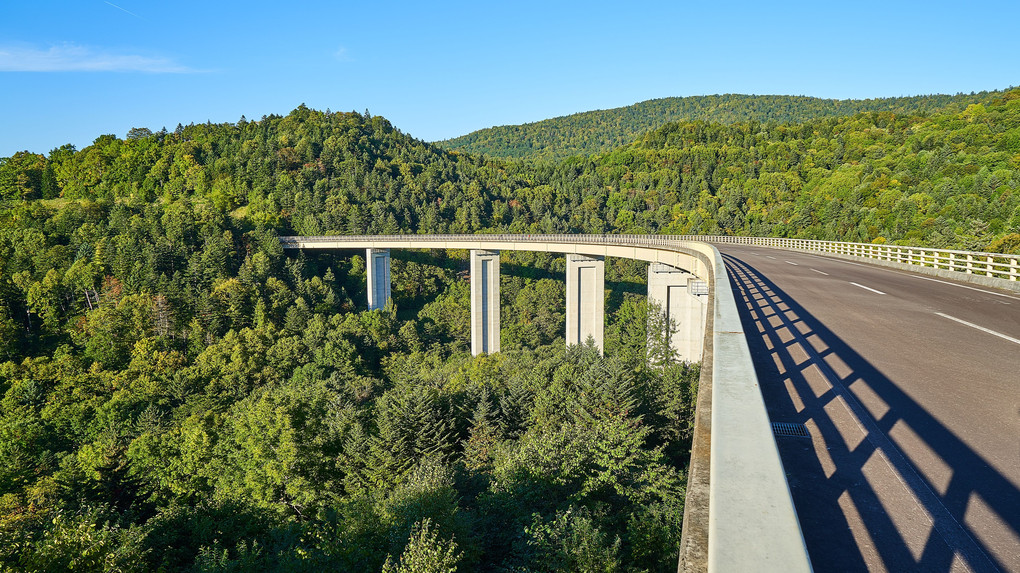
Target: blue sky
73,70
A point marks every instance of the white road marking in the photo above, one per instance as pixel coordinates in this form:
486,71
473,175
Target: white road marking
820,272
909,274
844,261
981,328
771,257
867,288
791,263
959,285
904,273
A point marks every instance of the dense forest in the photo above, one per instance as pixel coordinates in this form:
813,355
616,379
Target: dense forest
178,393
600,131
181,395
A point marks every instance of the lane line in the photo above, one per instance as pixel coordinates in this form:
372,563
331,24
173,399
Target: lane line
909,274
771,257
791,263
820,272
959,285
981,328
906,273
847,262
867,288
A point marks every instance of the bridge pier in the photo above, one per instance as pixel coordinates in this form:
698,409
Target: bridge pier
684,299
586,299
377,267
484,302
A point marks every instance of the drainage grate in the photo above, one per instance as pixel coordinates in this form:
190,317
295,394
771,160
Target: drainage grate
788,430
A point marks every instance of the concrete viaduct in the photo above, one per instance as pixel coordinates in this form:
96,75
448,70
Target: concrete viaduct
677,288
905,466
739,513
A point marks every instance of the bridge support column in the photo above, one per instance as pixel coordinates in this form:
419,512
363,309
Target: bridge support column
684,299
586,299
484,302
377,267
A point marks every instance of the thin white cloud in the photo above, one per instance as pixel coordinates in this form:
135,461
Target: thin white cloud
72,58
122,9
342,55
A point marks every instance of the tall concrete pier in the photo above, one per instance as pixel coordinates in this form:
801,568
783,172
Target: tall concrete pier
683,298
586,299
377,267
484,302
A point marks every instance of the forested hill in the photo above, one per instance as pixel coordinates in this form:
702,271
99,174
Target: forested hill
602,130
177,393
941,180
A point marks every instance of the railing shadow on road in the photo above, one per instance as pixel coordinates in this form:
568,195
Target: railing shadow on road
788,363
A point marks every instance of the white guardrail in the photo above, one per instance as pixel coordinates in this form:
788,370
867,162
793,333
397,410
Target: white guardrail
994,265
750,523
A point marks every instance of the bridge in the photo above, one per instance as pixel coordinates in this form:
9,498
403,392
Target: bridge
808,453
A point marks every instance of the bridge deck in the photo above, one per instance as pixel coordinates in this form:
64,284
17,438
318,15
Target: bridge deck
910,389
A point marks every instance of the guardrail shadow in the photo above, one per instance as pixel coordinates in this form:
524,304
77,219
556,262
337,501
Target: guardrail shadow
842,515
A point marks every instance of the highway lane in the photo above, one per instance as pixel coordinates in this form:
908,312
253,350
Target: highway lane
909,387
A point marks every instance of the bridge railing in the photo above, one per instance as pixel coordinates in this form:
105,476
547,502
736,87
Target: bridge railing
994,265
607,239
740,514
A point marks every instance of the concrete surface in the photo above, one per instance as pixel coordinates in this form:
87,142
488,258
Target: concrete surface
586,299
377,262
484,302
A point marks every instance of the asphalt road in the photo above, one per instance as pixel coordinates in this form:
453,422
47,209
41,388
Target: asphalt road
909,387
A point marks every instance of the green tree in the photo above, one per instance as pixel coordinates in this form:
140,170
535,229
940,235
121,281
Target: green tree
425,553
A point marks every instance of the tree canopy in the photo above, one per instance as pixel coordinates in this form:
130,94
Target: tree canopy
600,131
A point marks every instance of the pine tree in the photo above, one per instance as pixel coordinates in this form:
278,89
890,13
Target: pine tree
484,436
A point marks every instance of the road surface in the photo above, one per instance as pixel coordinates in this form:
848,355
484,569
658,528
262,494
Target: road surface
909,388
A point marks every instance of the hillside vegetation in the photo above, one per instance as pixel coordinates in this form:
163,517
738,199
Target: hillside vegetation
602,130
171,378
179,394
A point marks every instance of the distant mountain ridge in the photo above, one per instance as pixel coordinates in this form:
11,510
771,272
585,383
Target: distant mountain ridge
599,131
